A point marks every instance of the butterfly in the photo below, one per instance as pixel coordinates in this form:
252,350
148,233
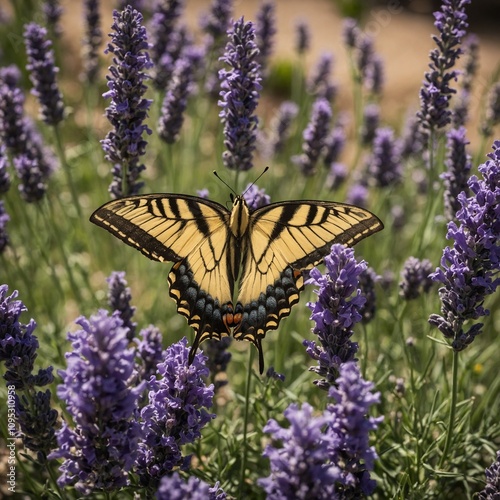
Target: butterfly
213,248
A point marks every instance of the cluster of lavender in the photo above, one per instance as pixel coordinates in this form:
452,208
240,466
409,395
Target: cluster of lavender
326,456
132,405
18,351
32,160
469,269
125,145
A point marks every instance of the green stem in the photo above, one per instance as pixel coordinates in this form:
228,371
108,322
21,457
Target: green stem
245,424
62,158
453,409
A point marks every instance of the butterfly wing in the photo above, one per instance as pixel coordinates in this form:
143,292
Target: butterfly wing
191,232
284,239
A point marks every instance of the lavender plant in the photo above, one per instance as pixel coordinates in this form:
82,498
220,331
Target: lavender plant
128,110
136,418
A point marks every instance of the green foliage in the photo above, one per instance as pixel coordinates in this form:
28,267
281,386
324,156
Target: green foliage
58,261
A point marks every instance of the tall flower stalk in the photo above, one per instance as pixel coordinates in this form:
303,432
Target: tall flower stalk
102,446
124,145
469,270
239,96
436,92
338,308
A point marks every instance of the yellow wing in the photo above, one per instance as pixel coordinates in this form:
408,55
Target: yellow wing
191,232
284,239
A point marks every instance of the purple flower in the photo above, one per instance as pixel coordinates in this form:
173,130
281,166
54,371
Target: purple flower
367,280
119,298
385,164
102,447
4,218
149,352
175,488
4,173
492,117
124,145
302,37
52,11
328,455
32,185
320,84
165,46
175,414
175,102
412,140
375,75
239,96
264,32
22,139
314,137
255,197
415,278
435,94
349,424
91,41
334,144
492,489
203,193
272,373
280,127
217,20
42,69
470,48
350,32
18,348
357,194
458,166
300,465
338,308
469,269
371,120
337,174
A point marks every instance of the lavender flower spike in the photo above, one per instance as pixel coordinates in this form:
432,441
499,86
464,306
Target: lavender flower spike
175,488
300,468
91,41
239,96
435,94
349,423
385,164
175,414
124,145
337,310
255,197
458,166
265,31
175,102
4,218
492,489
42,69
119,298
314,137
469,270
415,278
18,350
102,447
4,173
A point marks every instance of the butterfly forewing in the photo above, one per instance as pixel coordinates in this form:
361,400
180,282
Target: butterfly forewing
189,231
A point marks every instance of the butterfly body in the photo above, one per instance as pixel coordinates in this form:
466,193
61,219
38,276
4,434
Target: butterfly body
212,248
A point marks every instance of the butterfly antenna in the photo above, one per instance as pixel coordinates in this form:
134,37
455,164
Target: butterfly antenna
255,181
224,182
